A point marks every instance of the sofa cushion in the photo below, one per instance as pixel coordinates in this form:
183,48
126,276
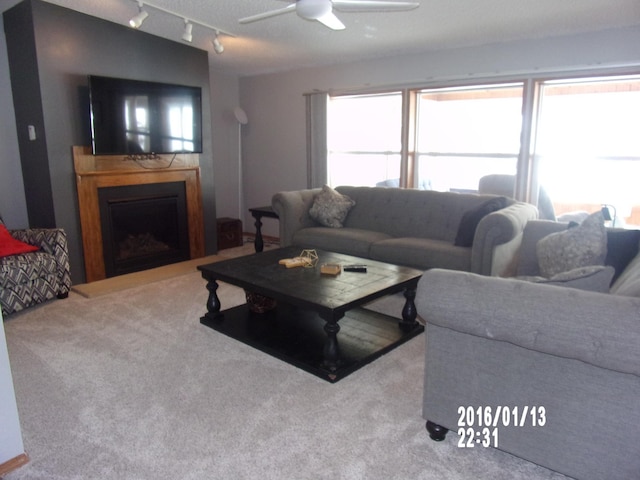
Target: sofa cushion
471,218
351,241
12,246
421,253
575,247
405,212
595,278
330,208
622,247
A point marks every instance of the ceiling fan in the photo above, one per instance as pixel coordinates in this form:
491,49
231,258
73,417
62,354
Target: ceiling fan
322,10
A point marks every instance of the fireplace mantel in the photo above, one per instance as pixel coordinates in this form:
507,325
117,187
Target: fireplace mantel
95,171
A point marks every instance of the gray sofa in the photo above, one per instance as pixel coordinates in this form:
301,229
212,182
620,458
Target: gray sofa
409,227
506,342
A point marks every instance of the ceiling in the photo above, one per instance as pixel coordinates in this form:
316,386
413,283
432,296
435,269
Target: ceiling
289,42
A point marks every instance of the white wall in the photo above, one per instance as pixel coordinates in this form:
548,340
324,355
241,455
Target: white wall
11,445
274,145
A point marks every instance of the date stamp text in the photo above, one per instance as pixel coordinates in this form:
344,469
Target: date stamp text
480,425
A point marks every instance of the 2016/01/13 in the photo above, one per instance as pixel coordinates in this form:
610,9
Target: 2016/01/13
503,416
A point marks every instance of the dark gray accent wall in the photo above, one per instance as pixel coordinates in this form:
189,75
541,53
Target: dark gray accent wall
22,56
51,52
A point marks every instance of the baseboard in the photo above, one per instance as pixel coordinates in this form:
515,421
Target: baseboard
13,464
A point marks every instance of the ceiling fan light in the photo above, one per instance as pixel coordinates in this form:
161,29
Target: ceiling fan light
313,9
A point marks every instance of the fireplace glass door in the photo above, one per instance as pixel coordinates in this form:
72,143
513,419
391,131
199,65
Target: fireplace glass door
143,226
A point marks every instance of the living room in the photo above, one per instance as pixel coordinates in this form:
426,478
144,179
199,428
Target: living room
274,154
273,143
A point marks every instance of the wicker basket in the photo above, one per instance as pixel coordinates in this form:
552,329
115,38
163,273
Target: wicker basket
259,303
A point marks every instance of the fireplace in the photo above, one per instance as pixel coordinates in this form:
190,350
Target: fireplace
143,199
143,226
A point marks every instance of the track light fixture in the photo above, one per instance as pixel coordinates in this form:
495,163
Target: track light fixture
188,27
187,34
217,46
137,20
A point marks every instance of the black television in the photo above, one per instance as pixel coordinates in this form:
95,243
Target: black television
135,117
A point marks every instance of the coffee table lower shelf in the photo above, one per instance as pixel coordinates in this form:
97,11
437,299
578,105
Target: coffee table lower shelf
298,337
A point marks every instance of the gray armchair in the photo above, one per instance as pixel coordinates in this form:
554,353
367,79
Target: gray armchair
498,184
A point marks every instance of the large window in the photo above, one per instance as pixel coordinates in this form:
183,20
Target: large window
364,139
588,146
461,135
576,138
465,134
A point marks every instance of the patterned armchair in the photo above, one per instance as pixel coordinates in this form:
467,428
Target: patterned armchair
31,278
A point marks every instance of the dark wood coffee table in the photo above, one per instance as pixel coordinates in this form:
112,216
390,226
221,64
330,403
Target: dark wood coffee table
313,308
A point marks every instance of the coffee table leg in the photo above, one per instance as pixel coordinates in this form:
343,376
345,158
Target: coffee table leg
213,303
331,351
409,311
258,242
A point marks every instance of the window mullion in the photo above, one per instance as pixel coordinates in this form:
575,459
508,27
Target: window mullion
526,178
409,139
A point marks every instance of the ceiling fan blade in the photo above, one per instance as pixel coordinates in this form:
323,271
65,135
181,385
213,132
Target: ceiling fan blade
331,21
273,13
373,6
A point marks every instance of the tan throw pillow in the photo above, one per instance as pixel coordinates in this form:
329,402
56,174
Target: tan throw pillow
330,208
576,247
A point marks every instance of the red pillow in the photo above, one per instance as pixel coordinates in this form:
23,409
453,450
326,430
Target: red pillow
11,246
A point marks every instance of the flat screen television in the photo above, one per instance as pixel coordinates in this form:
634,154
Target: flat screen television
134,117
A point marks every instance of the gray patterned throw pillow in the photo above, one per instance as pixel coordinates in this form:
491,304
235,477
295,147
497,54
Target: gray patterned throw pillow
576,247
330,208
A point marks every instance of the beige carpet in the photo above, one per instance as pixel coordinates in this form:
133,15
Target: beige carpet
123,282
133,387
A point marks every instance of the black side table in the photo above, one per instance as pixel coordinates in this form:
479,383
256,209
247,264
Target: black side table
258,213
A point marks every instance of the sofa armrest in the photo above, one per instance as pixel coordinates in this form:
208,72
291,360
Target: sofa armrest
293,210
596,328
503,229
54,242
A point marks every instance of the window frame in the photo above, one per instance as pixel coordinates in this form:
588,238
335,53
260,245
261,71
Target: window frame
527,174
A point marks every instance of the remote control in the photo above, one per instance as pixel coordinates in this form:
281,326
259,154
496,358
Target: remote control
355,268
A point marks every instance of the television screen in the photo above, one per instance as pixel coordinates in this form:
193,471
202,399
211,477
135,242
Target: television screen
133,117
